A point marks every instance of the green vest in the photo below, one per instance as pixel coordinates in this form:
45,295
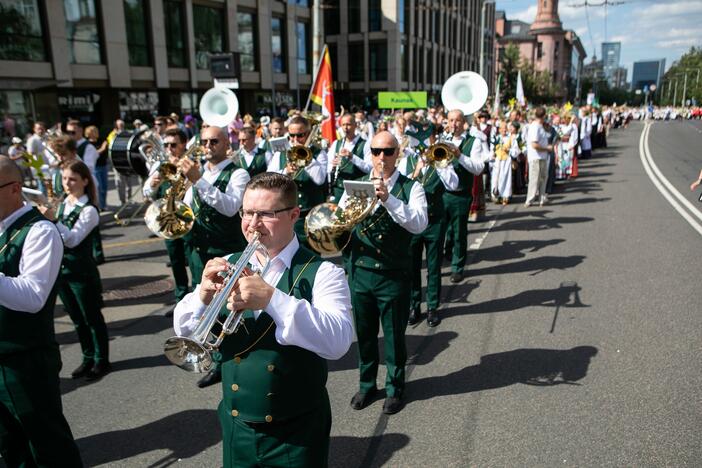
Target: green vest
347,169
19,330
57,183
258,164
309,194
263,380
465,177
78,261
80,150
433,189
213,232
378,242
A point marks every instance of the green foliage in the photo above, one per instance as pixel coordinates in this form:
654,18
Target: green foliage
689,64
16,43
538,86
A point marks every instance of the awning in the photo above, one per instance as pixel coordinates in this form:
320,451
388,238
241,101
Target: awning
29,84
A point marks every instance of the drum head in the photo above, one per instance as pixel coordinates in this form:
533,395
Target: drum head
125,156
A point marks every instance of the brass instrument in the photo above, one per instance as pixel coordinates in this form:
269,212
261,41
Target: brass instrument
194,352
439,155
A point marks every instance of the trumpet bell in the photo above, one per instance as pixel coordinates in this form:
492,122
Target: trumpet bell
439,155
169,224
300,156
219,106
187,354
466,91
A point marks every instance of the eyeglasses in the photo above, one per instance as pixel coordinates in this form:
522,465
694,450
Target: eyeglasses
211,141
385,151
264,215
297,135
171,145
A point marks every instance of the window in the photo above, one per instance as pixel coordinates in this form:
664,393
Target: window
20,31
304,3
404,60
82,31
247,42
378,61
277,35
331,17
354,16
356,61
173,18
332,57
437,24
137,33
303,61
375,16
401,15
209,33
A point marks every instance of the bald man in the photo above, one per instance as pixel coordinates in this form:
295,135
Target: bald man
33,430
379,273
215,197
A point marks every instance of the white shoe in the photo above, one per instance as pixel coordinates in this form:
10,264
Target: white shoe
527,204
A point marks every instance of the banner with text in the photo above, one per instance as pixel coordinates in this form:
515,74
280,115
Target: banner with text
402,100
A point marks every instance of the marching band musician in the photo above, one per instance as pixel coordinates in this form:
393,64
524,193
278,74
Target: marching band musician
251,157
457,202
310,180
379,273
155,188
435,180
275,408
349,158
80,287
276,129
215,198
33,429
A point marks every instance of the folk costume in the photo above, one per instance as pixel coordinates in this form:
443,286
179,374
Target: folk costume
566,151
254,162
89,155
353,167
275,407
379,278
33,430
506,150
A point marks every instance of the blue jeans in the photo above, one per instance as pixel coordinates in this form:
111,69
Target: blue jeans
101,176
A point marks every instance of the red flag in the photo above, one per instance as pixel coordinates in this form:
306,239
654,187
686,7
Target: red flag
322,93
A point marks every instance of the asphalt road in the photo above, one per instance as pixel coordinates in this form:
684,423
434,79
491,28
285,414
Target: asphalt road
574,341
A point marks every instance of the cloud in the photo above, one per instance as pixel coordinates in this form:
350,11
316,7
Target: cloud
679,43
527,15
667,9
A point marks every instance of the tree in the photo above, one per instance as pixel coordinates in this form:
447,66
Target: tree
689,64
538,86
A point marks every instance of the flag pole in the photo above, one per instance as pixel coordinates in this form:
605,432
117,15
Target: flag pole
316,75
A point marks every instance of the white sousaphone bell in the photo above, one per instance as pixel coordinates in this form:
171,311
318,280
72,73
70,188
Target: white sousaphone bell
466,91
219,106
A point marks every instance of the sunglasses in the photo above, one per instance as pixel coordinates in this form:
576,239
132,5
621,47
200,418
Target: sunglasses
297,135
211,141
170,145
70,132
385,151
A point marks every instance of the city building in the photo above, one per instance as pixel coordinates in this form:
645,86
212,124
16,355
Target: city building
646,73
611,53
618,80
97,60
546,45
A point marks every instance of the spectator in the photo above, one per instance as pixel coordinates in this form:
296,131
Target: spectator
92,134
537,157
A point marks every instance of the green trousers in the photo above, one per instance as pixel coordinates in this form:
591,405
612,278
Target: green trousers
33,430
432,239
381,297
300,442
456,229
177,254
82,299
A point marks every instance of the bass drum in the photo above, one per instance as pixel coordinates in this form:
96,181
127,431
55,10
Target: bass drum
125,156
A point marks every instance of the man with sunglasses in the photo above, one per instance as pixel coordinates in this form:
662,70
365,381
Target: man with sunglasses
215,197
310,180
379,273
467,163
275,408
33,430
349,158
155,188
253,158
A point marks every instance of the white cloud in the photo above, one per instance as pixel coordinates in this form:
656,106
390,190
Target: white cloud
527,15
679,43
661,10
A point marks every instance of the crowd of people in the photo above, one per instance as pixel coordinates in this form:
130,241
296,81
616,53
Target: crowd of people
304,309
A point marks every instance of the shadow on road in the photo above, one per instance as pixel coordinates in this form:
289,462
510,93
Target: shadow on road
535,265
184,434
149,325
540,224
510,250
540,367
138,256
346,452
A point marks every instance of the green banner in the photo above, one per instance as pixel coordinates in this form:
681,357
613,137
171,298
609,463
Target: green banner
402,100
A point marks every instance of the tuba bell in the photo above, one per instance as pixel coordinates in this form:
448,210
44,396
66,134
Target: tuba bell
219,106
466,91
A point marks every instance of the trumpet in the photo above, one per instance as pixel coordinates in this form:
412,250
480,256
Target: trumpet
440,155
193,353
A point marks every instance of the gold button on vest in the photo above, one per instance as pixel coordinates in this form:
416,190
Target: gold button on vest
237,360
235,388
270,367
269,418
235,413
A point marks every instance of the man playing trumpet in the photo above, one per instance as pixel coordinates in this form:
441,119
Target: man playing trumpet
275,409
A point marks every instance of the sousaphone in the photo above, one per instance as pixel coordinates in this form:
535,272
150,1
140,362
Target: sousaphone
466,91
219,106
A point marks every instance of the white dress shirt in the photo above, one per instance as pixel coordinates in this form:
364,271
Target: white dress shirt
365,164
249,156
90,156
39,266
412,216
316,169
473,163
447,174
227,202
324,326
88,219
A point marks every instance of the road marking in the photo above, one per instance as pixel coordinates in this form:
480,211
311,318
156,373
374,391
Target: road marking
113,245
662,183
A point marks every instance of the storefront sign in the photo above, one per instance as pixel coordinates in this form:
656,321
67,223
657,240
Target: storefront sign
281,99
402,100
77,101
138,101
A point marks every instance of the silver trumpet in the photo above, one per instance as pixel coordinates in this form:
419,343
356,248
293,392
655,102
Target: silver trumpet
193,353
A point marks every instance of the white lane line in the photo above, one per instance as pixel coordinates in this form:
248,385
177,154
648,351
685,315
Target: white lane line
644,138
664,180
479,241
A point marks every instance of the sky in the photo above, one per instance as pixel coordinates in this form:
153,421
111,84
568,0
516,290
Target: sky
647,29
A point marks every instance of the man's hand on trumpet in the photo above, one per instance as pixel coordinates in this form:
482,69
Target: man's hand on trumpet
190,169
212,279
250,292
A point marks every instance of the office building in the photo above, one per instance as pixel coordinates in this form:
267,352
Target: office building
611,53
646,73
